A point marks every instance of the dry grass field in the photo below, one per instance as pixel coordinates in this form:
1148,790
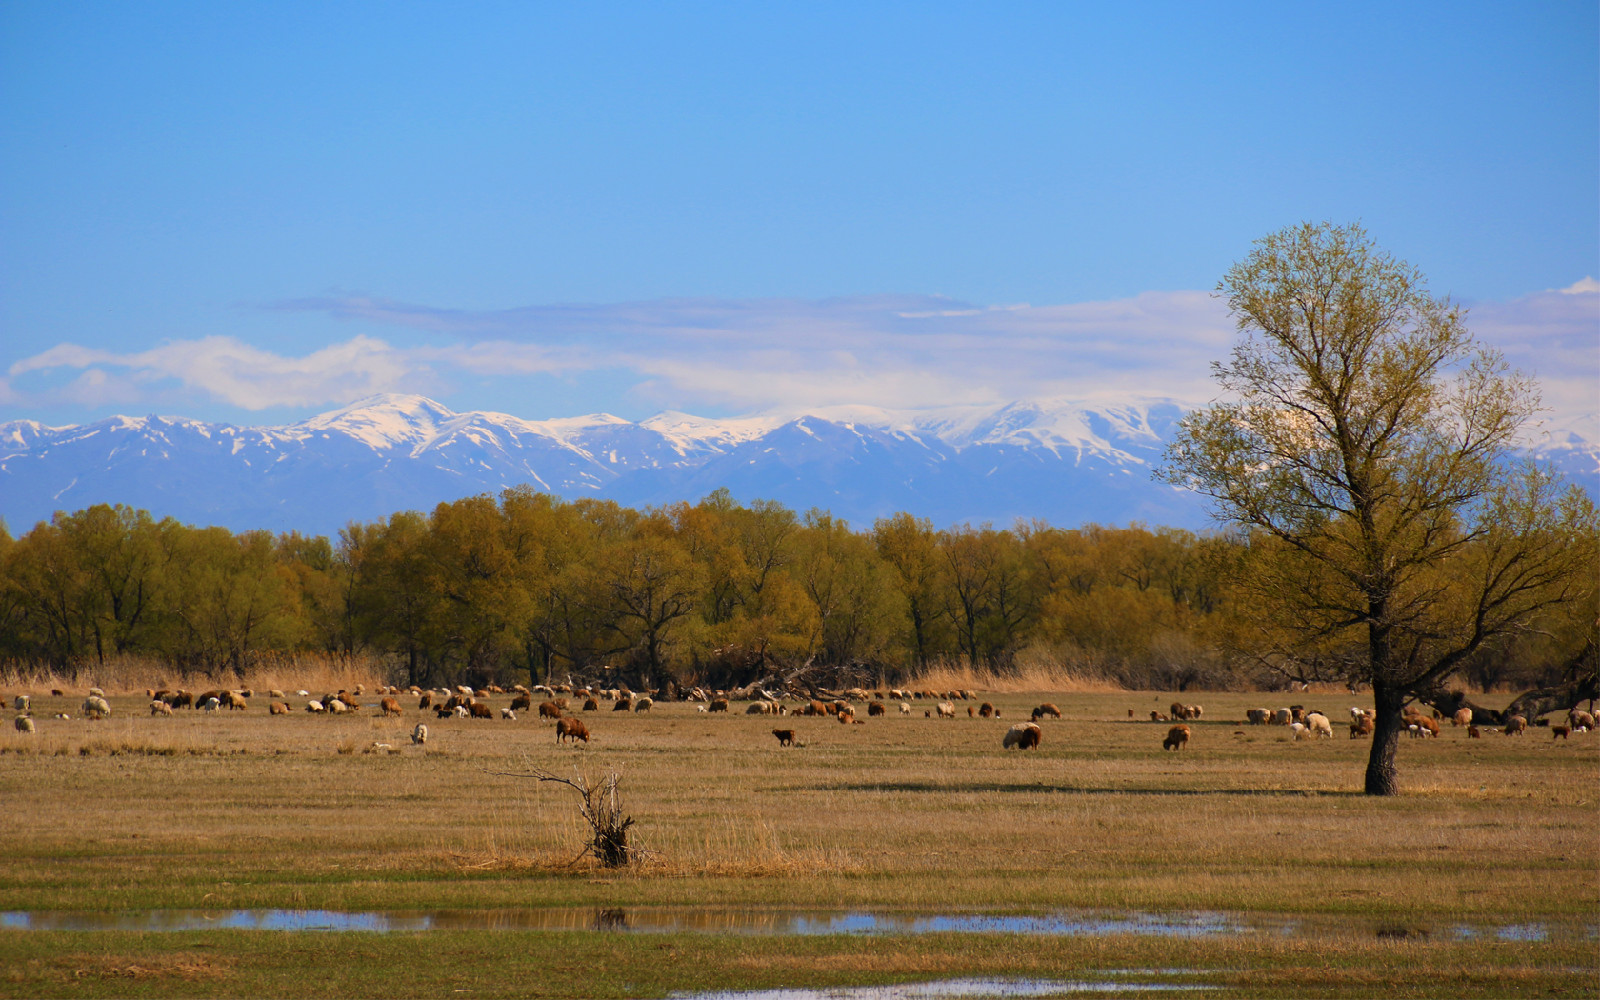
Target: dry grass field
900,813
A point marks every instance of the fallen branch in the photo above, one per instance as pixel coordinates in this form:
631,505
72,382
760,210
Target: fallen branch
600,806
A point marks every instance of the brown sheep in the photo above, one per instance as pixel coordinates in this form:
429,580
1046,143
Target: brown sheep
988,711
160,708
845,718
232,700
1516,726
480,710
1178,710
426,702
1361,727
1023,736
572,729
590,705
278,708
1559,732
875,708
549,710
1049,709
1580,720
522,703
643,705
785,737
721,705
624,704
1473,734
1177,737
389,706
1157,717
1463,717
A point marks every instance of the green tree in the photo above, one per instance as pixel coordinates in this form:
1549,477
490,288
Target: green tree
1369,437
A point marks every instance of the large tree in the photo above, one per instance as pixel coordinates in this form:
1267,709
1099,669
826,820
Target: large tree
1367,440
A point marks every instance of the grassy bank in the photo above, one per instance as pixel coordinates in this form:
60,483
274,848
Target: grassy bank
903,813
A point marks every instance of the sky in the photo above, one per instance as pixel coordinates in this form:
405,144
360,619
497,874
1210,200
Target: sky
255,212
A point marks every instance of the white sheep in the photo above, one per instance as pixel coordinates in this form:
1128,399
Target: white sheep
1357,713
302,693
506,713
96,707
462,712
419,735
701,708
947,709
159,707
315,706
96,693
905,708
20,703
1282,717
1299,730
1319,725
210,705
336,706
24,724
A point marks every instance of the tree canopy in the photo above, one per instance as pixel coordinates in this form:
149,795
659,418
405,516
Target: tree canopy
1367,440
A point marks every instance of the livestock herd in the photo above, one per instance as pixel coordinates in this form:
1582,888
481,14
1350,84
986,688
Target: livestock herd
556,703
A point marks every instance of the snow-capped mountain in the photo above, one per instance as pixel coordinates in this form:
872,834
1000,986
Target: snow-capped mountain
1067,462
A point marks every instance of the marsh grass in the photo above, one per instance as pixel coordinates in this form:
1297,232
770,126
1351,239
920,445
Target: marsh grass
208,810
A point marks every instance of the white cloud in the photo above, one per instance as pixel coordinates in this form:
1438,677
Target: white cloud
1582,285
784,354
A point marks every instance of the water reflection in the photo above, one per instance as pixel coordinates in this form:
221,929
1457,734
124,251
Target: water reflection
645,920
950,988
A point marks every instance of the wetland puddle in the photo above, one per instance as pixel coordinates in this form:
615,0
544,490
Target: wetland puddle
663,920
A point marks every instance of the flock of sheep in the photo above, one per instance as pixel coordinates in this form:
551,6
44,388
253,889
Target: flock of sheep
471,703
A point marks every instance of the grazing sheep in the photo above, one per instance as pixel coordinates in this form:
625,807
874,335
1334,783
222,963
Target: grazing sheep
988,711
1299,730
1516,726
624,704
1420,726
1297,713
1282,717
96,707
160,708
315,706
57,693
23,724
1579,720
1357,713
785,737
210,705
905,708
508,714
845,718
425,702
95,692
419,735
389,706
947,710
1177,738
462,712
874,708
1258,716
480,710
721,705
522,703
590,705
1473,734
1040,711
1362,726
643,705
20,703
335,706
571,729
1463,717
232,700
278,708
549,710
1023,736
1319,725
275,693
1559,732
1157,717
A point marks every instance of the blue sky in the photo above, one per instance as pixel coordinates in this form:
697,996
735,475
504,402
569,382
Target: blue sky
254,212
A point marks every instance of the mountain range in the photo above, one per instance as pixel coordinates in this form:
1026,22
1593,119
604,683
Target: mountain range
1066,462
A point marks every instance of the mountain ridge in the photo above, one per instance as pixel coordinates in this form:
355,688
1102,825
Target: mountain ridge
1063,460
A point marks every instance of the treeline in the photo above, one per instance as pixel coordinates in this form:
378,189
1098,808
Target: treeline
526,586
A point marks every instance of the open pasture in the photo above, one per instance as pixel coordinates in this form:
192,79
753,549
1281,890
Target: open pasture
900,813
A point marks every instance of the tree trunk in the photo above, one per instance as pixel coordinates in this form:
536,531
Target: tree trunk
1382,779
